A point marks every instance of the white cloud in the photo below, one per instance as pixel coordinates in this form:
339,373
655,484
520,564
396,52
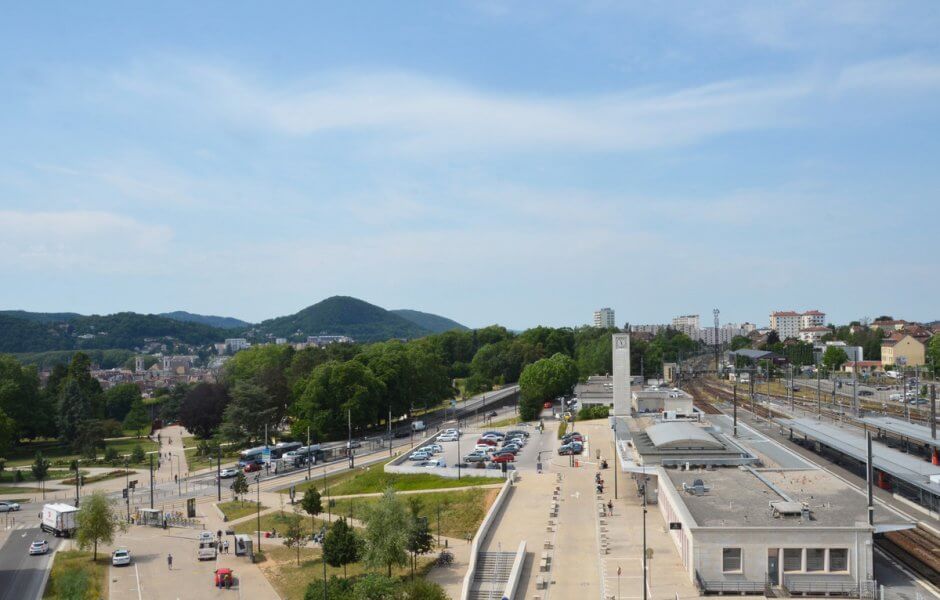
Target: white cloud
84,240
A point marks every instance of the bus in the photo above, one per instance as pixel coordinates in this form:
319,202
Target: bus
251,455
282,448
301,455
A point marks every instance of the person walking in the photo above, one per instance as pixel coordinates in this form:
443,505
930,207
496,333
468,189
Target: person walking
169,561
610,507
225,546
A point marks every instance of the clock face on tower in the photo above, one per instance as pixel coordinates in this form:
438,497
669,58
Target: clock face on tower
621,343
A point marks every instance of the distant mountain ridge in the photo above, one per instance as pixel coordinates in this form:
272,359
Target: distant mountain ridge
29,332
211,320
431,322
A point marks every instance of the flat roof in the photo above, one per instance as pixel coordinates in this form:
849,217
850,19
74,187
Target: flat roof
658,442
911,431
850,441
740,497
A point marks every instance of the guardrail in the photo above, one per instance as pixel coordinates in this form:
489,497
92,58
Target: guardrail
724,586
515,573
822,587
480,537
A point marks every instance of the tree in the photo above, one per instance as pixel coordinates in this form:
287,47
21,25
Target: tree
239,485
89,437
74,409
341,545
333,389
136,418
312,504
3,466
7,431
834,357
137,454
202,408
245,416
933,352
544,380
740,342
96,522
294,536
385,539
420,540
373,586
422,589
119,400
40,469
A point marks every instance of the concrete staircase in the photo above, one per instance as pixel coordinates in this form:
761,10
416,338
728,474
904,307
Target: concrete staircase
491,575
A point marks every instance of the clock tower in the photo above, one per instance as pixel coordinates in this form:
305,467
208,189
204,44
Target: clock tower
621,358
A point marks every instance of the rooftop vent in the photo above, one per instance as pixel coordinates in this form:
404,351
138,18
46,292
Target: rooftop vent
698,488
790,509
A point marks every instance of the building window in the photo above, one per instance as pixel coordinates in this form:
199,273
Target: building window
731,560
815,559
792,559
838,559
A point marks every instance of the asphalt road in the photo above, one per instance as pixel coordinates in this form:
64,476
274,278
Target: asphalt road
22,577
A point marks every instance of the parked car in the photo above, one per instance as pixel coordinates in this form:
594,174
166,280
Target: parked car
226,473
568,449
419,455
434,448
484,448
866,393
498,434
121,556
547,405
475,457
353,444
252,467
505,451
487,441
6,506
492,414
402,433
503,458
434,463
517,432
447,437
38,547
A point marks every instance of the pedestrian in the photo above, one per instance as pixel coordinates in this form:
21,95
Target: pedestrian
164,522
169,561
225,546
610,507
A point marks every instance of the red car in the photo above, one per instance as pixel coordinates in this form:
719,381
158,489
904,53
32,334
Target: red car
486,441
503,458
547,405
252,467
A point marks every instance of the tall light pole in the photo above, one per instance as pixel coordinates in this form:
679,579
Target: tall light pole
349,448
151,482
258,507
127,489
309,455
179,473
645,482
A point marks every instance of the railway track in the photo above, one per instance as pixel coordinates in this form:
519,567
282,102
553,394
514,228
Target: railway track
918,549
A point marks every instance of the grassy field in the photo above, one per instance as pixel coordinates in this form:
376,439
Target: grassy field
237,509
374,479
278,520
10,489
291,581
53,474
461,511
99,477
75,577
61,454
505,422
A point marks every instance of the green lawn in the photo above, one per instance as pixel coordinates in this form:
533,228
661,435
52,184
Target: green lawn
53,474
10,489
100,477
60,454
461,511
75,577
278,520
505,422
374,479
237,509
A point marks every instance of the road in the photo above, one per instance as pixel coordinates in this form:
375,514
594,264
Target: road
22,577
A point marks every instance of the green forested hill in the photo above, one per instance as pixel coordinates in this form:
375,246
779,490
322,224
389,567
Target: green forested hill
431,322
343,315
210,320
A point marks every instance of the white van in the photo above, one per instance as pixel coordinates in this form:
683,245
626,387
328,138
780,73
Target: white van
418,426
207,546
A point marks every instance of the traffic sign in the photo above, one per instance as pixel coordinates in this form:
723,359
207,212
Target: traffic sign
266,455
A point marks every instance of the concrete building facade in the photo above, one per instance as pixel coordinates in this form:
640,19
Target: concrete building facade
604,317
899,348
621,361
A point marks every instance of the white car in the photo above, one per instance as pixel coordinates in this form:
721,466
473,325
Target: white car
435,462
434,448
420,455
484,448
38,547
8,506
226,473
121,556
447,437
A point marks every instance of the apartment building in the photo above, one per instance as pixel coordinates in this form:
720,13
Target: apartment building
788,323
604,317
687,324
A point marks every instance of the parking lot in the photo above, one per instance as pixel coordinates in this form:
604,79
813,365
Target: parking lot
539,445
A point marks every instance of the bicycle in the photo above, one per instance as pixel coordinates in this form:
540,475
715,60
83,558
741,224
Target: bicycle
444,559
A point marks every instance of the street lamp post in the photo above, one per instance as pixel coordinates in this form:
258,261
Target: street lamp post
179,473
127,489
258,508
645,482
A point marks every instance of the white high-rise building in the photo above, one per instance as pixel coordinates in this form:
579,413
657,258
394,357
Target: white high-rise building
621,359
687,324
788,323
604,317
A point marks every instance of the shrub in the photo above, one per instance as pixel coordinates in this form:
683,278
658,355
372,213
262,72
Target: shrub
562,428
336,589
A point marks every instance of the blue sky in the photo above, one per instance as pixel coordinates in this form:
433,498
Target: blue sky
513,162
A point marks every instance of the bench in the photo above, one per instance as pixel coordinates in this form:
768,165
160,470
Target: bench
547,545
543,565
540,583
